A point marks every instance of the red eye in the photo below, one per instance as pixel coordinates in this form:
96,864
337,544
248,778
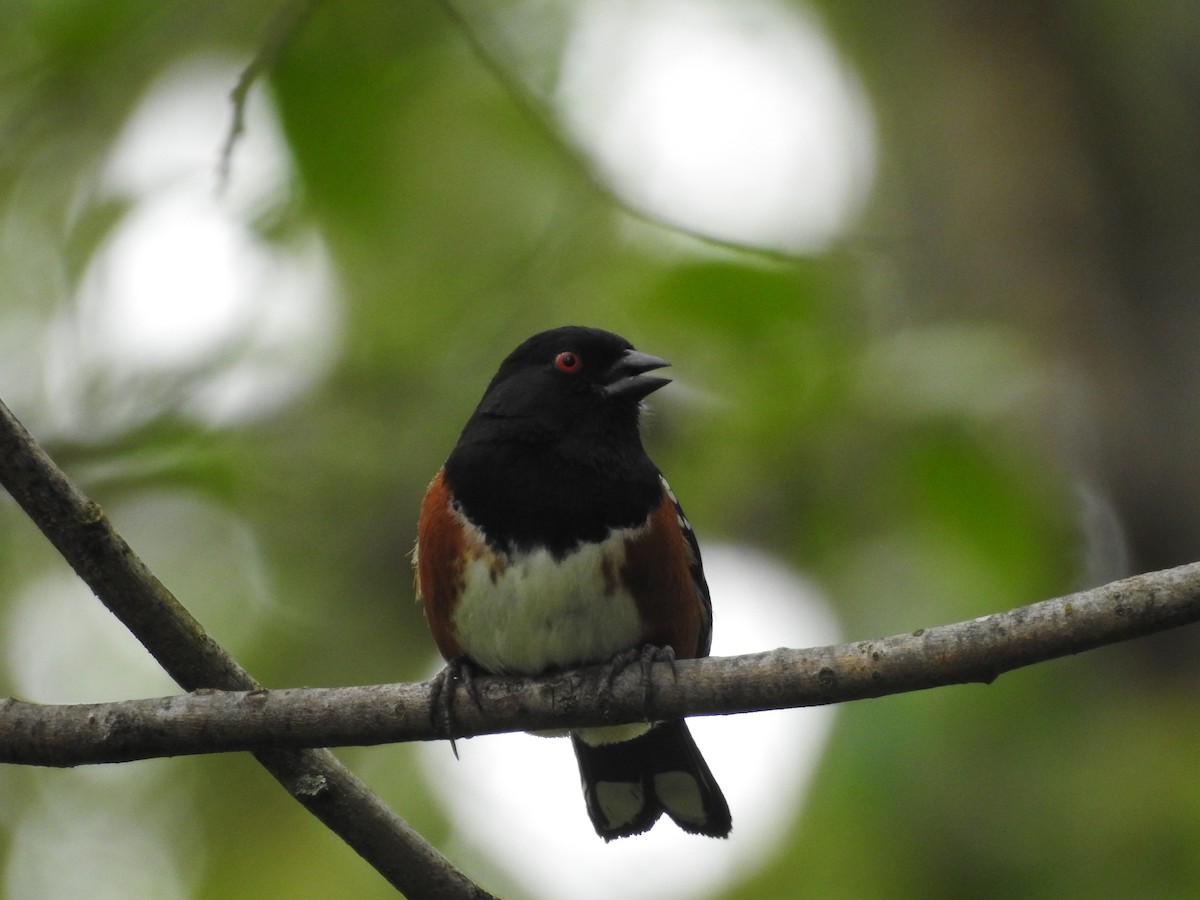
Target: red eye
568,361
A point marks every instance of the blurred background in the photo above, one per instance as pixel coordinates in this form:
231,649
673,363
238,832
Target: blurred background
928,277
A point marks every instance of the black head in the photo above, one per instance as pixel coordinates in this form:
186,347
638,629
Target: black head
552,455
570,381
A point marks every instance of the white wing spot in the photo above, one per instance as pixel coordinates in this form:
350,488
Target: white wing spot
683,522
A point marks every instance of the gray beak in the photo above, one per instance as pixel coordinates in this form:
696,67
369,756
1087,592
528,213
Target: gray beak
628,380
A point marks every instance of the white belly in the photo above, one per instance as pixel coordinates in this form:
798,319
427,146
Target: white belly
527,613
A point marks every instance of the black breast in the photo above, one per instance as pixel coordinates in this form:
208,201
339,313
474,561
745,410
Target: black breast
524,496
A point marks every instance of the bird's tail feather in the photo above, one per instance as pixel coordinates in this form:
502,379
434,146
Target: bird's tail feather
629,784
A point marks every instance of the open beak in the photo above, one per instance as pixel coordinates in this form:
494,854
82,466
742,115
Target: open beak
628,380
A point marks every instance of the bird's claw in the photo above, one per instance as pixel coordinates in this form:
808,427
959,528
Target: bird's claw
444,695
645,657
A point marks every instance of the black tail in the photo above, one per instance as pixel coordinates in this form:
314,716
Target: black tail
629,784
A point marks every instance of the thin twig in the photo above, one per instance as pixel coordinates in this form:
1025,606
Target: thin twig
83,535
978,650
277,34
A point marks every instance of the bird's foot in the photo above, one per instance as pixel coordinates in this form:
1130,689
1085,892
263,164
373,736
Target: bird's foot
645,657
444,695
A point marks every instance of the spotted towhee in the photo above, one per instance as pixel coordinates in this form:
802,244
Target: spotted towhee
550,540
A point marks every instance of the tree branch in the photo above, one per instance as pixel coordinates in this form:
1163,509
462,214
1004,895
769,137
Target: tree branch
86,539
227,710
978,650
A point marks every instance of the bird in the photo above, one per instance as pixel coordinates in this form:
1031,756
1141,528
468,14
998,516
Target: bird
549,540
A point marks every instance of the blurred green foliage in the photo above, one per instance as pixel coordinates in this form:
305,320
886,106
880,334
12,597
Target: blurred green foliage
907,419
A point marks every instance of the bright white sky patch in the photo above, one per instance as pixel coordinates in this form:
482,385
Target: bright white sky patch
737,120
169,283
184,288
516,798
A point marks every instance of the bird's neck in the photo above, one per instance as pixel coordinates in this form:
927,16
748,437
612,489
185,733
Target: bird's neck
528,494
